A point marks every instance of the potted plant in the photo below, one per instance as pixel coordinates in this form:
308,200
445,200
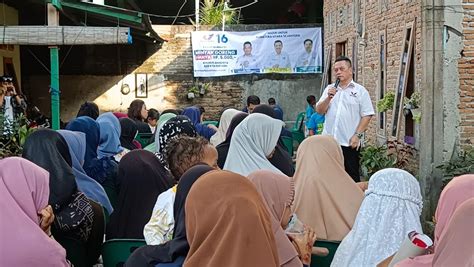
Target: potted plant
192,92
412,105
386,102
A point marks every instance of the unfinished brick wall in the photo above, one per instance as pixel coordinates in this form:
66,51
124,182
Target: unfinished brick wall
466,77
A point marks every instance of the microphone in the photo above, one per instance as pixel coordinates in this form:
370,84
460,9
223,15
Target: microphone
336,84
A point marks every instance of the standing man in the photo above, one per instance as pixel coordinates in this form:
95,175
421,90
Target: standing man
11,104
348,110
247,61
279,59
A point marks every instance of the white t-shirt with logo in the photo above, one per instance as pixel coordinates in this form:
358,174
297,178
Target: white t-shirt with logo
345,111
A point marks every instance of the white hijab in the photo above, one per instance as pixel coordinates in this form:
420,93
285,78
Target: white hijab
390,210
253,140
224,123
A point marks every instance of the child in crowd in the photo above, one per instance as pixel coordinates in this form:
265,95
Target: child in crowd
311,99
152,119
315,124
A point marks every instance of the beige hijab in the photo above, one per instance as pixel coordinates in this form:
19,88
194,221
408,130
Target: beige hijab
326,198
227,223
224,123
278,192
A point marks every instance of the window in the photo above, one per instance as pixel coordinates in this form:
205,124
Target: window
341,49
409,123
400,89
381,119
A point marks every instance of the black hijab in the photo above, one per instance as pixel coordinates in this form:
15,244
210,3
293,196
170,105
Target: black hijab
281,158
168,252
223,148
48,149
141,178
129,130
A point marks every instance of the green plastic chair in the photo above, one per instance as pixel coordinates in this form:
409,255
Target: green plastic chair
298,130
115,252
144,138
288,142
318,261
215,123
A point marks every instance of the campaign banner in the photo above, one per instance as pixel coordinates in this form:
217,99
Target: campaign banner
222,53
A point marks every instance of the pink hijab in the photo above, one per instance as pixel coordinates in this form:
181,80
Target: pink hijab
278,192
451,238
24,190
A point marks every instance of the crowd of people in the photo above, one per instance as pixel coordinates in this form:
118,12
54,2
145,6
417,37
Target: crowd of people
231,195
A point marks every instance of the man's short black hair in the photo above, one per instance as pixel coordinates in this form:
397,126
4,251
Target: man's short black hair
308,40
201,109
253,99
278,41
344,58
249,43
310,98
271,101
153,114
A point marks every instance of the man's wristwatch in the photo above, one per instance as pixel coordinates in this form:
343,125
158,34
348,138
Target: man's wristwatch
359,135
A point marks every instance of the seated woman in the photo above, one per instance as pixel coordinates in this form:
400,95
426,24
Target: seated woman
177,246
137,112
278,194
223,148
177,126
224,123
281,158
141,178
453,235
206,131
253,144
128,133
183,153
91,188
165,117
89,109
326,197
110,131
390,211
227,223
75,215
26,216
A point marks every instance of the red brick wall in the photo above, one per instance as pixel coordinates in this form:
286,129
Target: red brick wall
466,77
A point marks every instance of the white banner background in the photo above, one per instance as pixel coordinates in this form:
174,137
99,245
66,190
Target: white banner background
218,53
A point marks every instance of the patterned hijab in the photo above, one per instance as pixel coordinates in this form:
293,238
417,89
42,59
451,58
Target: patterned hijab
391,209
173,128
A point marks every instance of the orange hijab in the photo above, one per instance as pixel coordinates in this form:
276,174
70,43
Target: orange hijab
326,198
227,223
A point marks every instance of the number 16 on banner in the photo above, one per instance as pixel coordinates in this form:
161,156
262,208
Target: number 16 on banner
222,39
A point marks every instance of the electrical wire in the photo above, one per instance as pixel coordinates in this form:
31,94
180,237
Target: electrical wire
179,11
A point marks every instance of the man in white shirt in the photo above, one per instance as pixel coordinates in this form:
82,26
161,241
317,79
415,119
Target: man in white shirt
308,57
279,59
11,104
348,110
247,61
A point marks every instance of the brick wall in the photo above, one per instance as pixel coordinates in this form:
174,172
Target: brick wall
466,77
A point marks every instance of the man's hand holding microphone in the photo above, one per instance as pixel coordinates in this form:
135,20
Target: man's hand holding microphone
332,91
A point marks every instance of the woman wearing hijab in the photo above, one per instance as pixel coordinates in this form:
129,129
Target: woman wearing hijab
137,112
179,125
161,121
91,188
89,109
390,211
75,214
128,132
110,131
281,158
227,223
253,143
24,223
141,178
178,246
327,199
453,244
183,153
223,148
194,115
278,193
224,123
